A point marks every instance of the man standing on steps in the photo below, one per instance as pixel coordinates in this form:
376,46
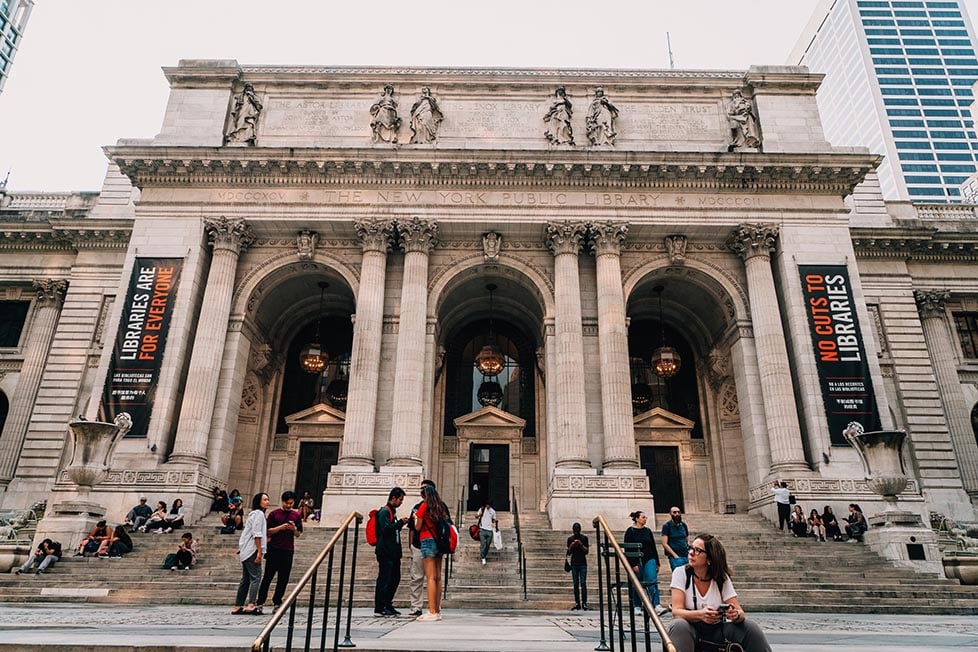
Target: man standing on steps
388,554
675,539
283,526
417,566
487,525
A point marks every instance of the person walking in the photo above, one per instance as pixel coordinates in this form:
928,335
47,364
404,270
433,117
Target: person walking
488,525
646,563
388,554
577,549
251,548
675,539
431,512
284,526
782,497
417,565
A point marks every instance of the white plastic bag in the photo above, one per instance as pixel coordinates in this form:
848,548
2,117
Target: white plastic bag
497,540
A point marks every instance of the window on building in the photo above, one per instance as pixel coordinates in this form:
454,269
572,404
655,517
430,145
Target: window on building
966,324
13,315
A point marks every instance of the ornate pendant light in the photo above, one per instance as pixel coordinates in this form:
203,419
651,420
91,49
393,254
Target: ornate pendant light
339,387
489,361
641,392
665,359
490,393
312,358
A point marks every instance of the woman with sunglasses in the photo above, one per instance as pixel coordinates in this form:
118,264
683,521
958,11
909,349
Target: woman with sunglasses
701,593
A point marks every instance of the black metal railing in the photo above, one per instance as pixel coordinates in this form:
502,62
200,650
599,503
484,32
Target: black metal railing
319,606
520,550
611,602
450,559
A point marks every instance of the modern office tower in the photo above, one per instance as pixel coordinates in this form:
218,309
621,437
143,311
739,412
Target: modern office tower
13,20
898,78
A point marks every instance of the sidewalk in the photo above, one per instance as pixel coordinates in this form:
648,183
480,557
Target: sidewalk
82,628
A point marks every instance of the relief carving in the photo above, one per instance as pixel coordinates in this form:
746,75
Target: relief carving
931,303
676,248
751,240
492,242
744,134
305,244
558,119
565,237
600,121
242,128
425,118
385,123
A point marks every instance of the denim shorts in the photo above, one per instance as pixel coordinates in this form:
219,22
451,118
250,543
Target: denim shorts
429,549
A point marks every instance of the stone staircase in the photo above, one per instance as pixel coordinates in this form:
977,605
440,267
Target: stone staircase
773,572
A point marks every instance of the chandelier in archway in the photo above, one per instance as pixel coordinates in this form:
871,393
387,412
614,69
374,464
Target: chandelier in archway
312,358
489,361
665,361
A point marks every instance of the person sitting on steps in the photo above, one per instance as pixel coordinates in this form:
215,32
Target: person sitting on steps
138,514
44,556
816,526
856,523
799,524
156,520
831,524
92,542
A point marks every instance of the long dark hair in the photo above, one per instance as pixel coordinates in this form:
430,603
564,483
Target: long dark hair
256,500
435,509
716,557
174,507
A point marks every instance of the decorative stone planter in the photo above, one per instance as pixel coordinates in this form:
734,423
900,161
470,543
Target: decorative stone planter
962,567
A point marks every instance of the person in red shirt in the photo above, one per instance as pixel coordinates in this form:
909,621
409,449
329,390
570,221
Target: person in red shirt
284,525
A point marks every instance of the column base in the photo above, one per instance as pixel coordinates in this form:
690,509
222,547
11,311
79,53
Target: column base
898,536
578,495
361,489
69,522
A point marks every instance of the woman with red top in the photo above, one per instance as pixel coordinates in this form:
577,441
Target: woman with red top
431,511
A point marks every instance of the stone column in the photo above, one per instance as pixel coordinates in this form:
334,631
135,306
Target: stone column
50,298
565,239
754,243
940,347
616,401
361,410
416,238
228,239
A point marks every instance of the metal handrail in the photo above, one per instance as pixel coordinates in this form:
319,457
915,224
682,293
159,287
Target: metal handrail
520,549
263,641
638,589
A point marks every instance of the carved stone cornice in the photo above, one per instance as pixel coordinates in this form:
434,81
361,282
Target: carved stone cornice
66,234
50,292
608,237
826,173
915,243
232,235
931,303
566,237
750,240
417,235
375,235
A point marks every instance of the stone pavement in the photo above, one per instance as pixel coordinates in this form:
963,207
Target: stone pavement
82,628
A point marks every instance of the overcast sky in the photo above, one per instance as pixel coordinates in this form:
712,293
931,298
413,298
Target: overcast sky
88,72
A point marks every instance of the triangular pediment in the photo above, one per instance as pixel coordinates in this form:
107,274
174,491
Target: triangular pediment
489,417
319,414
659,419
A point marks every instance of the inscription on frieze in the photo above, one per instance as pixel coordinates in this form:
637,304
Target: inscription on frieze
287,117
682,122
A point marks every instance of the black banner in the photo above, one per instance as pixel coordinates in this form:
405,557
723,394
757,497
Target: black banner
847,387
138,353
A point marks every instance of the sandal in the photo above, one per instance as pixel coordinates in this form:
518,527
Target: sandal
237,611
257,611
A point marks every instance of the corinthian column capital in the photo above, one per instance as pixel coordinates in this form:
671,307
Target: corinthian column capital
233,234
417,234
566,237
50,291
608,237
375,235
751,240
931,303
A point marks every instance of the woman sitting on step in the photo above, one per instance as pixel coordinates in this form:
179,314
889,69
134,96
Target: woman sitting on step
857,523
116,545
94,539
831,524
156,520
175,517
815,525
799,524
705,605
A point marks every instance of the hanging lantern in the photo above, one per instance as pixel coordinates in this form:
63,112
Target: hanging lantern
665,359
490,393
336,393
312,358
641,395
490,360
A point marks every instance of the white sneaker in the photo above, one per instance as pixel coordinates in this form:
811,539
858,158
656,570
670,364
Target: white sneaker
428,617
483,562
660,610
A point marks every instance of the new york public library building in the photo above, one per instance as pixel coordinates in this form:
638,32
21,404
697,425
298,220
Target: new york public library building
584,290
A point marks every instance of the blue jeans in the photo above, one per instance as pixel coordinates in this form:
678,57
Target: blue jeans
676,562
579,575
648,574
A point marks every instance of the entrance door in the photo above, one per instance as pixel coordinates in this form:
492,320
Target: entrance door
489,476
315,461
661,464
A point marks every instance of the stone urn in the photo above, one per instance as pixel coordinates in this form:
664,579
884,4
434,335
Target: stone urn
882,455
92,445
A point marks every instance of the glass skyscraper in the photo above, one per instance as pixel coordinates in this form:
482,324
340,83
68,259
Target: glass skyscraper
898,79
13,19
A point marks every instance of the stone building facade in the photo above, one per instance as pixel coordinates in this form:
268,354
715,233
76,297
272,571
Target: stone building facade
395,227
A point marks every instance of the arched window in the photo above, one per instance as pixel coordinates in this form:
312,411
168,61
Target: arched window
4,407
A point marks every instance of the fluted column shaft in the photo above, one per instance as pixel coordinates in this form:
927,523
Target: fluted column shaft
565,240
228,238
754,243
361,410
940,346
50,298
616,391
416,238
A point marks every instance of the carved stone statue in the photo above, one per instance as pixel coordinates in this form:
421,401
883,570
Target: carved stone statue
558,119
743,123
492,242
305,243
385,123
600,121
243,121
425,118
676,248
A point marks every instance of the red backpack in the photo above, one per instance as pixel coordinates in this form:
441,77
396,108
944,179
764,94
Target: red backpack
371,529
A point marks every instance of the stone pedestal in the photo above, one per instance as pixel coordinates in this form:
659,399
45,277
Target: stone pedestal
895,534
962,566
361,489
578,495
69,522
13,555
